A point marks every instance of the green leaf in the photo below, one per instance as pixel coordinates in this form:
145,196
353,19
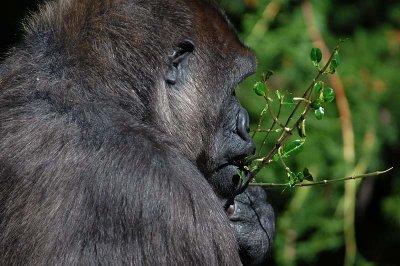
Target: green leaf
316,104
241,174
333,66
328,95
318,86
259,88
292,179
300,176
301,129
292,148
307,175
316,55
276,157
334,63
319,113
337,58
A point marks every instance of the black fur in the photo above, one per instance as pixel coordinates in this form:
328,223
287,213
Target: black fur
115,118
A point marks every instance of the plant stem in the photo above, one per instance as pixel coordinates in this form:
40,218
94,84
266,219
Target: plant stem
322,182
347,136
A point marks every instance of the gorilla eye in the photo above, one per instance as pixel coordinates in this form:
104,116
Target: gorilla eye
177,59
230,207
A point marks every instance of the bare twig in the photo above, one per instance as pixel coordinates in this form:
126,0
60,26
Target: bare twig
258,128
275,121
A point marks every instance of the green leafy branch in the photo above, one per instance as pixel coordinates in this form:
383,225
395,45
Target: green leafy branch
315,98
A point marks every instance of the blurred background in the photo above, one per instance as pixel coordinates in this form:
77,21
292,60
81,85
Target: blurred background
351,223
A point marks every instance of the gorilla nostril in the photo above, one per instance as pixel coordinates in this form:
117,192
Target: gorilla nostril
243,128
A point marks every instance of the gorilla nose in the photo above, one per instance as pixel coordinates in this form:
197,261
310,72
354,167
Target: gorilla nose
243,125
243,130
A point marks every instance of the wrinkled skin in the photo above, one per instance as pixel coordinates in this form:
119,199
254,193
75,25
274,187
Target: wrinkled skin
120,137
251,222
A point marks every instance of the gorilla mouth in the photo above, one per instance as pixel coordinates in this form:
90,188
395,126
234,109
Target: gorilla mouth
237,162
234,175
241,178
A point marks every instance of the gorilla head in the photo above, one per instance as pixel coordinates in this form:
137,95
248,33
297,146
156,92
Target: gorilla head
121,136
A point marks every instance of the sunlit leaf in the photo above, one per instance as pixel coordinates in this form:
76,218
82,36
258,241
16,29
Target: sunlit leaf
319,113
316,104
328,94
333,66
292,148
317,87
316,55
260,89
337,59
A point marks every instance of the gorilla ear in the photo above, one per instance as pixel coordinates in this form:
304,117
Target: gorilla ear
177,60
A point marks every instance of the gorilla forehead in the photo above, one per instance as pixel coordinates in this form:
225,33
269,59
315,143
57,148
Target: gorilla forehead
137,35
151,26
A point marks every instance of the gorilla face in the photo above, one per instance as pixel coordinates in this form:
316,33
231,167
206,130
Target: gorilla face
206,68
203,69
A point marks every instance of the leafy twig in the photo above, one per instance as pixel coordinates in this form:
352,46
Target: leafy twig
287,131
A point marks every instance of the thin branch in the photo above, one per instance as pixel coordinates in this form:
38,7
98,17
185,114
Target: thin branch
322,182
275,121
278,130
258,128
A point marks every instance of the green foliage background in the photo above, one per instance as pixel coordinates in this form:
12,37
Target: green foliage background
310,221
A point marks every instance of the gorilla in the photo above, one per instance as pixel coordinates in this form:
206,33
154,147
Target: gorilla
121,137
